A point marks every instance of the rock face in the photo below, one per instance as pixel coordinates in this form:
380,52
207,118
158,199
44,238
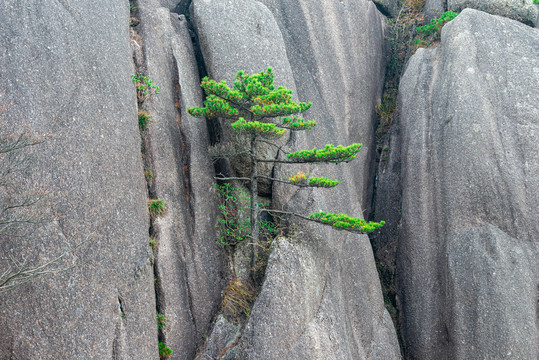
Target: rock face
65,70
434,8
467,258
190,266
388,7
522,10
321,298
220,31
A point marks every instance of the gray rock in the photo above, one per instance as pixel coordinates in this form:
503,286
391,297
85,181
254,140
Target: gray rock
252,44
388,7
182,6
320,301
388,205
467,257
223,335
434,8
321,298
333,75
191,267
522,10
65,70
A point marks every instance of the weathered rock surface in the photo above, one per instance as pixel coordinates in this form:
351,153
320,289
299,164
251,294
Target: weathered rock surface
434,8
388,7
190,266
65,70
522,10
224,45
337,62
467,258
321,298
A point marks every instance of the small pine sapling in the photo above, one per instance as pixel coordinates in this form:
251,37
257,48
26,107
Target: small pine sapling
263,112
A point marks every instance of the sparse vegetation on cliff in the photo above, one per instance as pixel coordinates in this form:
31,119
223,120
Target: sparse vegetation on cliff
23,207
261,113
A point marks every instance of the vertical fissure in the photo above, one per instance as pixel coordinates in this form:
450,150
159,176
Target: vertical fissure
138,61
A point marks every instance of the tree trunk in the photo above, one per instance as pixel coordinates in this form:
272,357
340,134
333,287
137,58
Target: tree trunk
255,227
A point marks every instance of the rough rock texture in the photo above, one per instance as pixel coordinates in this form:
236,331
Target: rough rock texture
467,258
522,10
388,197
226,50
388,7
434,8
190,266
343,84
223,335
65,70
321,298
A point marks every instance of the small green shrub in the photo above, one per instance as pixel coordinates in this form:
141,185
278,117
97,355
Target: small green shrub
435,25
164,351
386,110
157,207
153,243
234,224
536,1
145,86
148,173
143,120
161,321
132,8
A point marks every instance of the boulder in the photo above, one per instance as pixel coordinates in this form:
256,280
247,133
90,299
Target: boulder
321,297
190,266
388,7
522,10
65,70
434,8
222,37
467,257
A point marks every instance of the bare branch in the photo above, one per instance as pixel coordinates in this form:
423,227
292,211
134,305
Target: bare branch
20,272
300,161
232,178
279,147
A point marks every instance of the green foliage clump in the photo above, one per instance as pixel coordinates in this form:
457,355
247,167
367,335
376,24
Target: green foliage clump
143,120
536,1
329,153
233,223
252,99
145,86
345,222
164,351
303,179
435,25
261,110
156,207
295,123
257,127
320,181
386,110
161,321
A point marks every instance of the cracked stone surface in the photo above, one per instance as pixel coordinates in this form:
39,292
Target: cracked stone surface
467,258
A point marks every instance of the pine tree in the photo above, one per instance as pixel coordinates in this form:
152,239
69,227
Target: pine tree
263,112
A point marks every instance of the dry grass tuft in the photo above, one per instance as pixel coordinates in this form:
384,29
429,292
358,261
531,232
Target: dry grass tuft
238,298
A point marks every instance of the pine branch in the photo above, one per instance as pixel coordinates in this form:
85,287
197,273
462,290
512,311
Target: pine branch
337,221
